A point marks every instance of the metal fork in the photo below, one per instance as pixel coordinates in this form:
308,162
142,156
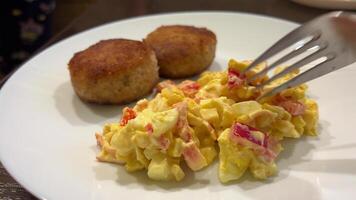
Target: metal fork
333,34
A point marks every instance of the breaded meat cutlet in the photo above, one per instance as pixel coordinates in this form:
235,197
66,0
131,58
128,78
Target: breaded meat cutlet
114,71
182,51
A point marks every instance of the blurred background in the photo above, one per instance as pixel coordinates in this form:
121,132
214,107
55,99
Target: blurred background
29,24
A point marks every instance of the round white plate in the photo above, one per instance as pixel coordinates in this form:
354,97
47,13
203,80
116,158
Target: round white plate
47,134
329,4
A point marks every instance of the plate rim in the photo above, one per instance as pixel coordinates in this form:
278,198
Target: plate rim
325,4
10,171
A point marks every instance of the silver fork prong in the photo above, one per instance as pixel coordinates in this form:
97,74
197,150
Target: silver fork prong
288,40
310,58
339,50
294,36
313,42
320,69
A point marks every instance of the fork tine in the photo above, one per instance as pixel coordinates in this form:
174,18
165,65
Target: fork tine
320,69
293,37
310,58
308,45
283,43
338,29
288,40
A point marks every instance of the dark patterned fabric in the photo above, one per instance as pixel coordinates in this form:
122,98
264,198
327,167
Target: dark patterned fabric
25,26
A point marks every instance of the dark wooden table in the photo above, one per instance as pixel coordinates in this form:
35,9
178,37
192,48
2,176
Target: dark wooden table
102,11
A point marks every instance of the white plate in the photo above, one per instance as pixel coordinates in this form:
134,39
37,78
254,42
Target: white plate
329,4
47,134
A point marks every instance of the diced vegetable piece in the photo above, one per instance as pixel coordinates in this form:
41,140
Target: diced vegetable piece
246,107
193,157
127,115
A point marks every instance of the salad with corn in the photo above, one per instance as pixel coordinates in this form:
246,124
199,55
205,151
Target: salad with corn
215,117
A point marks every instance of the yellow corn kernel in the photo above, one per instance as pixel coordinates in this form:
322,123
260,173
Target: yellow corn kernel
211,115
141,139
173,95
299,124
286,128
177,172
209,153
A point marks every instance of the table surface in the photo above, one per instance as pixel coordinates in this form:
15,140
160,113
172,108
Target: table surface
103,11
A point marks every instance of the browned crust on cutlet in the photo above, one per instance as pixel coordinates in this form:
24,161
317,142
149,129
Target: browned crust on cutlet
114,71
109,57
179,45
173,42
